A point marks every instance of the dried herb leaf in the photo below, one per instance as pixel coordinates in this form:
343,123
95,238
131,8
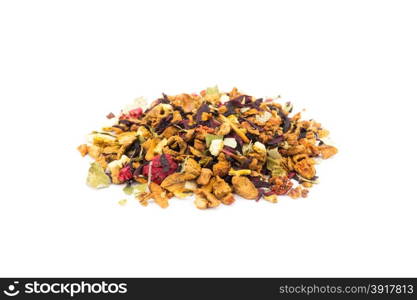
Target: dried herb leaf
214,90
97,178
211,137
140,188
274,163
128,189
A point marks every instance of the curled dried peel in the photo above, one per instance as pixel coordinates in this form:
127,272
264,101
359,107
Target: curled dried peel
173,143
176,178
238,131
126,138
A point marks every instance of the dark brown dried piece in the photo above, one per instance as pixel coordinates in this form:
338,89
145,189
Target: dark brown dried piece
110,116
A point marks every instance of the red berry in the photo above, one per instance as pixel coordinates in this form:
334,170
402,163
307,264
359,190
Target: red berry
125,174
135,113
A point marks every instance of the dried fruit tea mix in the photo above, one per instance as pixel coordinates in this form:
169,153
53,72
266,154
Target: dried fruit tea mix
214,145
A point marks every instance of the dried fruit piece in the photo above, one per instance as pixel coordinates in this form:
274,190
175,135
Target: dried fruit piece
162,166
83,149
327,151
205,199
135,113
159,195
205,176
192,167
221,168
122,202
305,169
241,172
221,188
244,187
281,184
125,174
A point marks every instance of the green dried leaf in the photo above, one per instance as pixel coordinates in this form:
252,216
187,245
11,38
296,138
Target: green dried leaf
246,148
273,153
128,189
214,90
140,188
274,163
211,137
135,189
97,178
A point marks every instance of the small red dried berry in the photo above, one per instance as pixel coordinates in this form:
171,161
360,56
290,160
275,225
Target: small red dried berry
125,174
135,113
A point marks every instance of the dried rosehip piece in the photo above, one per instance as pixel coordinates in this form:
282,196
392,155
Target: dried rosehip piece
161,166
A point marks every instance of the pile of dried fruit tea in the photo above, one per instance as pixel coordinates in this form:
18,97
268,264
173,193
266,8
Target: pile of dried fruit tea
214,144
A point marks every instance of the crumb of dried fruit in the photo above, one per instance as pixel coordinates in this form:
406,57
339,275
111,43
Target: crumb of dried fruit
212,144
307,184
228,199
83,149
159,195
271,198
281,184
205,199
304,193
122,202
294,194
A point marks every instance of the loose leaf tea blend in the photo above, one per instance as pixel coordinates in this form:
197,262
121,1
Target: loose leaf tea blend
213,144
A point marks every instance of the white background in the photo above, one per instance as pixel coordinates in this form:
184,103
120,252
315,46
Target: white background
65,64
